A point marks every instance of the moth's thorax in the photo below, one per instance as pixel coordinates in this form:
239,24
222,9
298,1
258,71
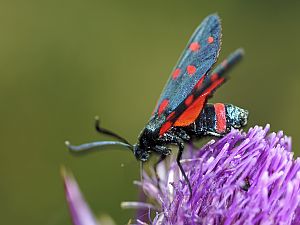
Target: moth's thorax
148,137
155,123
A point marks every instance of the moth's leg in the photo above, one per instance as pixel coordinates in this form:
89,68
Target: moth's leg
172,138
179,155
162,158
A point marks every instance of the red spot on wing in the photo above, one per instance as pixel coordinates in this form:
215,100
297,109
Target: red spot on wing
176,73
171,115
220,117
165,127
191,69
199,83
194,46
191,113
210,40
162,107
224,63
214,77
189,100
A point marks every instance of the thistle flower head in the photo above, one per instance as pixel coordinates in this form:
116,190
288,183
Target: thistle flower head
243,178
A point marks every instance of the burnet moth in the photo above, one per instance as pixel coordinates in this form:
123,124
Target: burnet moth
182,113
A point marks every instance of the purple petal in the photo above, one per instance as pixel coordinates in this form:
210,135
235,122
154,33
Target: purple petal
79,209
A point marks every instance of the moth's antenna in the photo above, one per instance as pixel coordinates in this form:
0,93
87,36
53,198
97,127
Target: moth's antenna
108,132
93,145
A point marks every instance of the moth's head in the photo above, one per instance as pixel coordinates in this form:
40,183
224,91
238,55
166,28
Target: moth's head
141,153
146,143
237,116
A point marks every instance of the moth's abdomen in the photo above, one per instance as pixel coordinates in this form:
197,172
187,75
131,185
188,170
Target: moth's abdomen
219,118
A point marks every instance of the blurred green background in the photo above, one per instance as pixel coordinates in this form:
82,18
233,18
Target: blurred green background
63,62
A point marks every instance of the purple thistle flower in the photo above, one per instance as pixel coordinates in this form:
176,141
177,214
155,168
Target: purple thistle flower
243,178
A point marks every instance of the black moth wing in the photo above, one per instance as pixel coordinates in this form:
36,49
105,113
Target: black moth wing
198,57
